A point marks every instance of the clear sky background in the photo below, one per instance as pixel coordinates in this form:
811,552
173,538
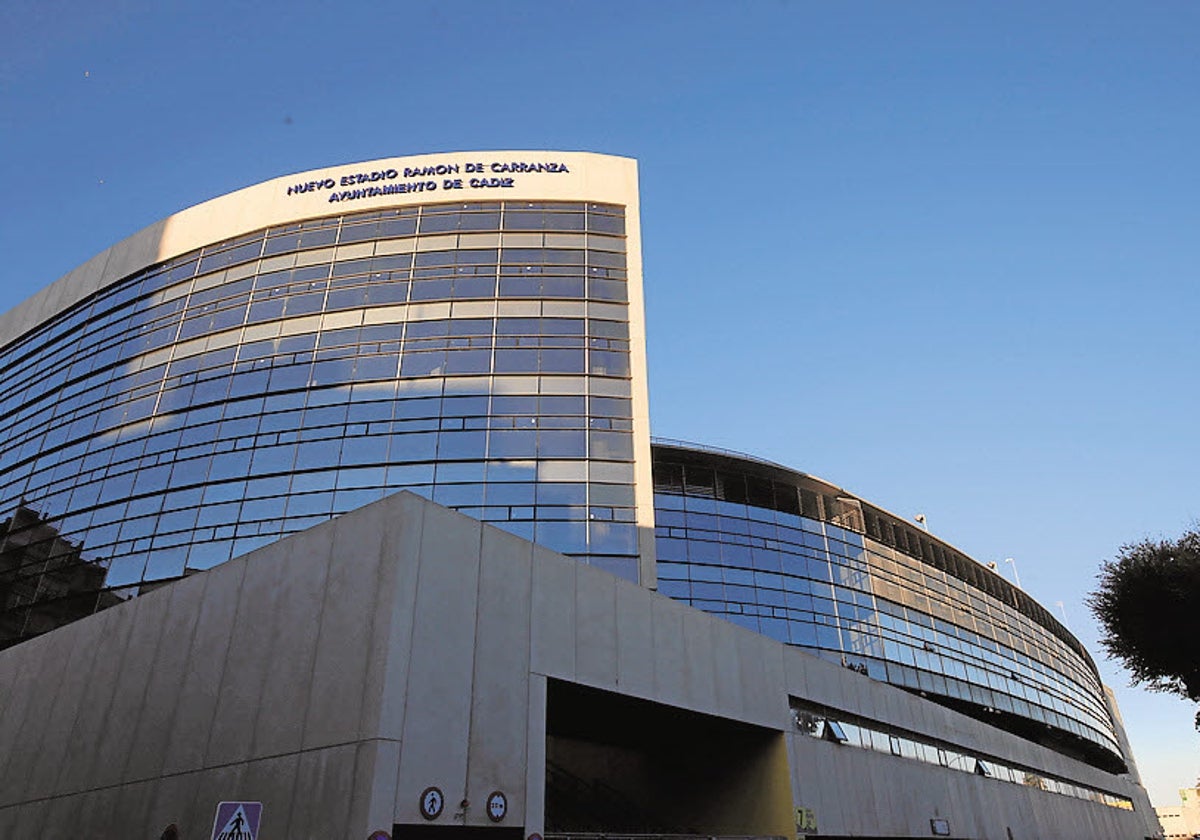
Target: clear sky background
945,255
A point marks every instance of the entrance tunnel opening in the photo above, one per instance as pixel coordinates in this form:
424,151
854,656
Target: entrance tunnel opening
621,765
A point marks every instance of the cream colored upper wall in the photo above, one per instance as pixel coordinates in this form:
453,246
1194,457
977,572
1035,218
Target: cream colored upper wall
588,177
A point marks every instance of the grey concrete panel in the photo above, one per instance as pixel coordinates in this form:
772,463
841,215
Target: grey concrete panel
344,640
864,695
895,800
17,321
635,634
794,752
816,784
730,700
62,819
376,774
31,819
596,622
147,617
171,801
535,752
879,799
762,705
34,671
851,814
967,798
13,663
113,627
962,798
12,324
824,682
29,313
58,296
795,672
133,806
699,670
99,810
42,700
271,781
383,712
893,707
56,729
83,281
667,627
132,254
164,682
925,795
812,673
438,714
358,818
231,737
962,730
325,785
212,786
206,666
384,613
553,633
501,679
279,726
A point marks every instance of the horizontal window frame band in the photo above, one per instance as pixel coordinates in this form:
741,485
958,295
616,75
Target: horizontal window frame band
802,706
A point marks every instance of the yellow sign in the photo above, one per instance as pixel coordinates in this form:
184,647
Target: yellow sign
806,820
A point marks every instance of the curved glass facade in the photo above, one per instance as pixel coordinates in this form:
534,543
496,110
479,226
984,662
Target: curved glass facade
192,406
802,561
475,353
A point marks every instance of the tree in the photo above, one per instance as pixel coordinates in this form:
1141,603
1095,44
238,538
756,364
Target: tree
1148,606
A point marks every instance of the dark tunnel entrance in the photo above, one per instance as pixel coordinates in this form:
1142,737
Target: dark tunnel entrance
621,765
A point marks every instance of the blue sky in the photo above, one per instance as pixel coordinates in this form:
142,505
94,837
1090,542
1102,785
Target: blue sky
942,254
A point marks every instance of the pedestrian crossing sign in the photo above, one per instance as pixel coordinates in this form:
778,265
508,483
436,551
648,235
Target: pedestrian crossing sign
237,821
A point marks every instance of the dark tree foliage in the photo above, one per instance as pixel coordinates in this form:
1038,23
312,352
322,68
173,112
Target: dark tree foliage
1148,605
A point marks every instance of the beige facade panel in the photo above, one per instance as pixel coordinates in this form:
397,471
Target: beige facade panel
577,176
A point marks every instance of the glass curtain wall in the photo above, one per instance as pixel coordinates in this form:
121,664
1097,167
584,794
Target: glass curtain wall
790,559
477,354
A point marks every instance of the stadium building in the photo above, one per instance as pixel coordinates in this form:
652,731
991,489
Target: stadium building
519,644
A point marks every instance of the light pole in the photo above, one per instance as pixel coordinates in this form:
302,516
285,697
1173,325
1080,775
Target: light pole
1016,576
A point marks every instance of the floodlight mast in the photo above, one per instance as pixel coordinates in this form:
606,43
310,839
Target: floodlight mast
1016,576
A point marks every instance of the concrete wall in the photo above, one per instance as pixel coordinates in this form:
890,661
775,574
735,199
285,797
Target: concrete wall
855,790
336,674
261,680
1182,820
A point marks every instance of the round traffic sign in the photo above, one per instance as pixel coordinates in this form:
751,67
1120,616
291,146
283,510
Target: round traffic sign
432,802
497,806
